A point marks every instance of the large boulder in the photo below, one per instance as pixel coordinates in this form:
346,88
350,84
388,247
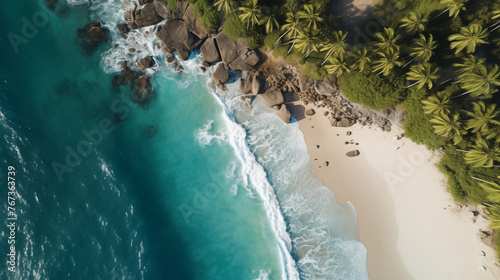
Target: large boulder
227,48
147,62
162,9
144,2
210,51
194,22
346,122
284,114
145,17
236,54
325,88
253,84
221,75
272,97
176,36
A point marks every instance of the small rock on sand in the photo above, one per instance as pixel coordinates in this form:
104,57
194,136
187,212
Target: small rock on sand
354,153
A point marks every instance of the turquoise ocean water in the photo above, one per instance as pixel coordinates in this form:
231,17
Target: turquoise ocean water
194,185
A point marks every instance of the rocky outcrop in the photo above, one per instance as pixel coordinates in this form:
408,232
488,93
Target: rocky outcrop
272,97
253,84
325,87
210,51
144,17
354,153
147,62
175,35
236,53
93,34
324,94
221,75
284,114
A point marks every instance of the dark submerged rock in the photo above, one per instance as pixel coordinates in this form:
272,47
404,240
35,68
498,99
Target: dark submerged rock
93,34
51,4
142,89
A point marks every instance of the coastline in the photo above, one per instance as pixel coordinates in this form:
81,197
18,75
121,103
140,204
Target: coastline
408,226
403,225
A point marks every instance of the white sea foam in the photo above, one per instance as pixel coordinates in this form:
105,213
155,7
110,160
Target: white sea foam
264,275
206,136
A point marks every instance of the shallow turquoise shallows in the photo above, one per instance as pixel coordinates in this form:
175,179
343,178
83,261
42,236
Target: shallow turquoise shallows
193,185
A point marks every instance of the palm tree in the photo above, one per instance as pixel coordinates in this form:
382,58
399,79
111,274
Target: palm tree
496,17
413,23
468,38
291,28
386,62
335,46
423,74
307,43
223,5
387,40
470,64
494,218
449,127
337,66
454,6
269,19
311,16
482,82
439,104
250,13
422,48
484,119
361,59
491,188
483,154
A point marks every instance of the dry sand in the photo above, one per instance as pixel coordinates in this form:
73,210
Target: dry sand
408,222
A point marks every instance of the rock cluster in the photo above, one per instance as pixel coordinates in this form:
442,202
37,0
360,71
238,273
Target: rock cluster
324,94
138,81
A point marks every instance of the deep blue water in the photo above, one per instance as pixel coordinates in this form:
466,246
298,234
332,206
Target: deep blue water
191,186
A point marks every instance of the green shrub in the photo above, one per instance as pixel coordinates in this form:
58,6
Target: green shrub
254,42
312,70
374,91
234,28
205,9
172,4
417,127
461,186
271,38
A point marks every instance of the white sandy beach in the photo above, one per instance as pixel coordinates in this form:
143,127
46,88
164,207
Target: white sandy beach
408,222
